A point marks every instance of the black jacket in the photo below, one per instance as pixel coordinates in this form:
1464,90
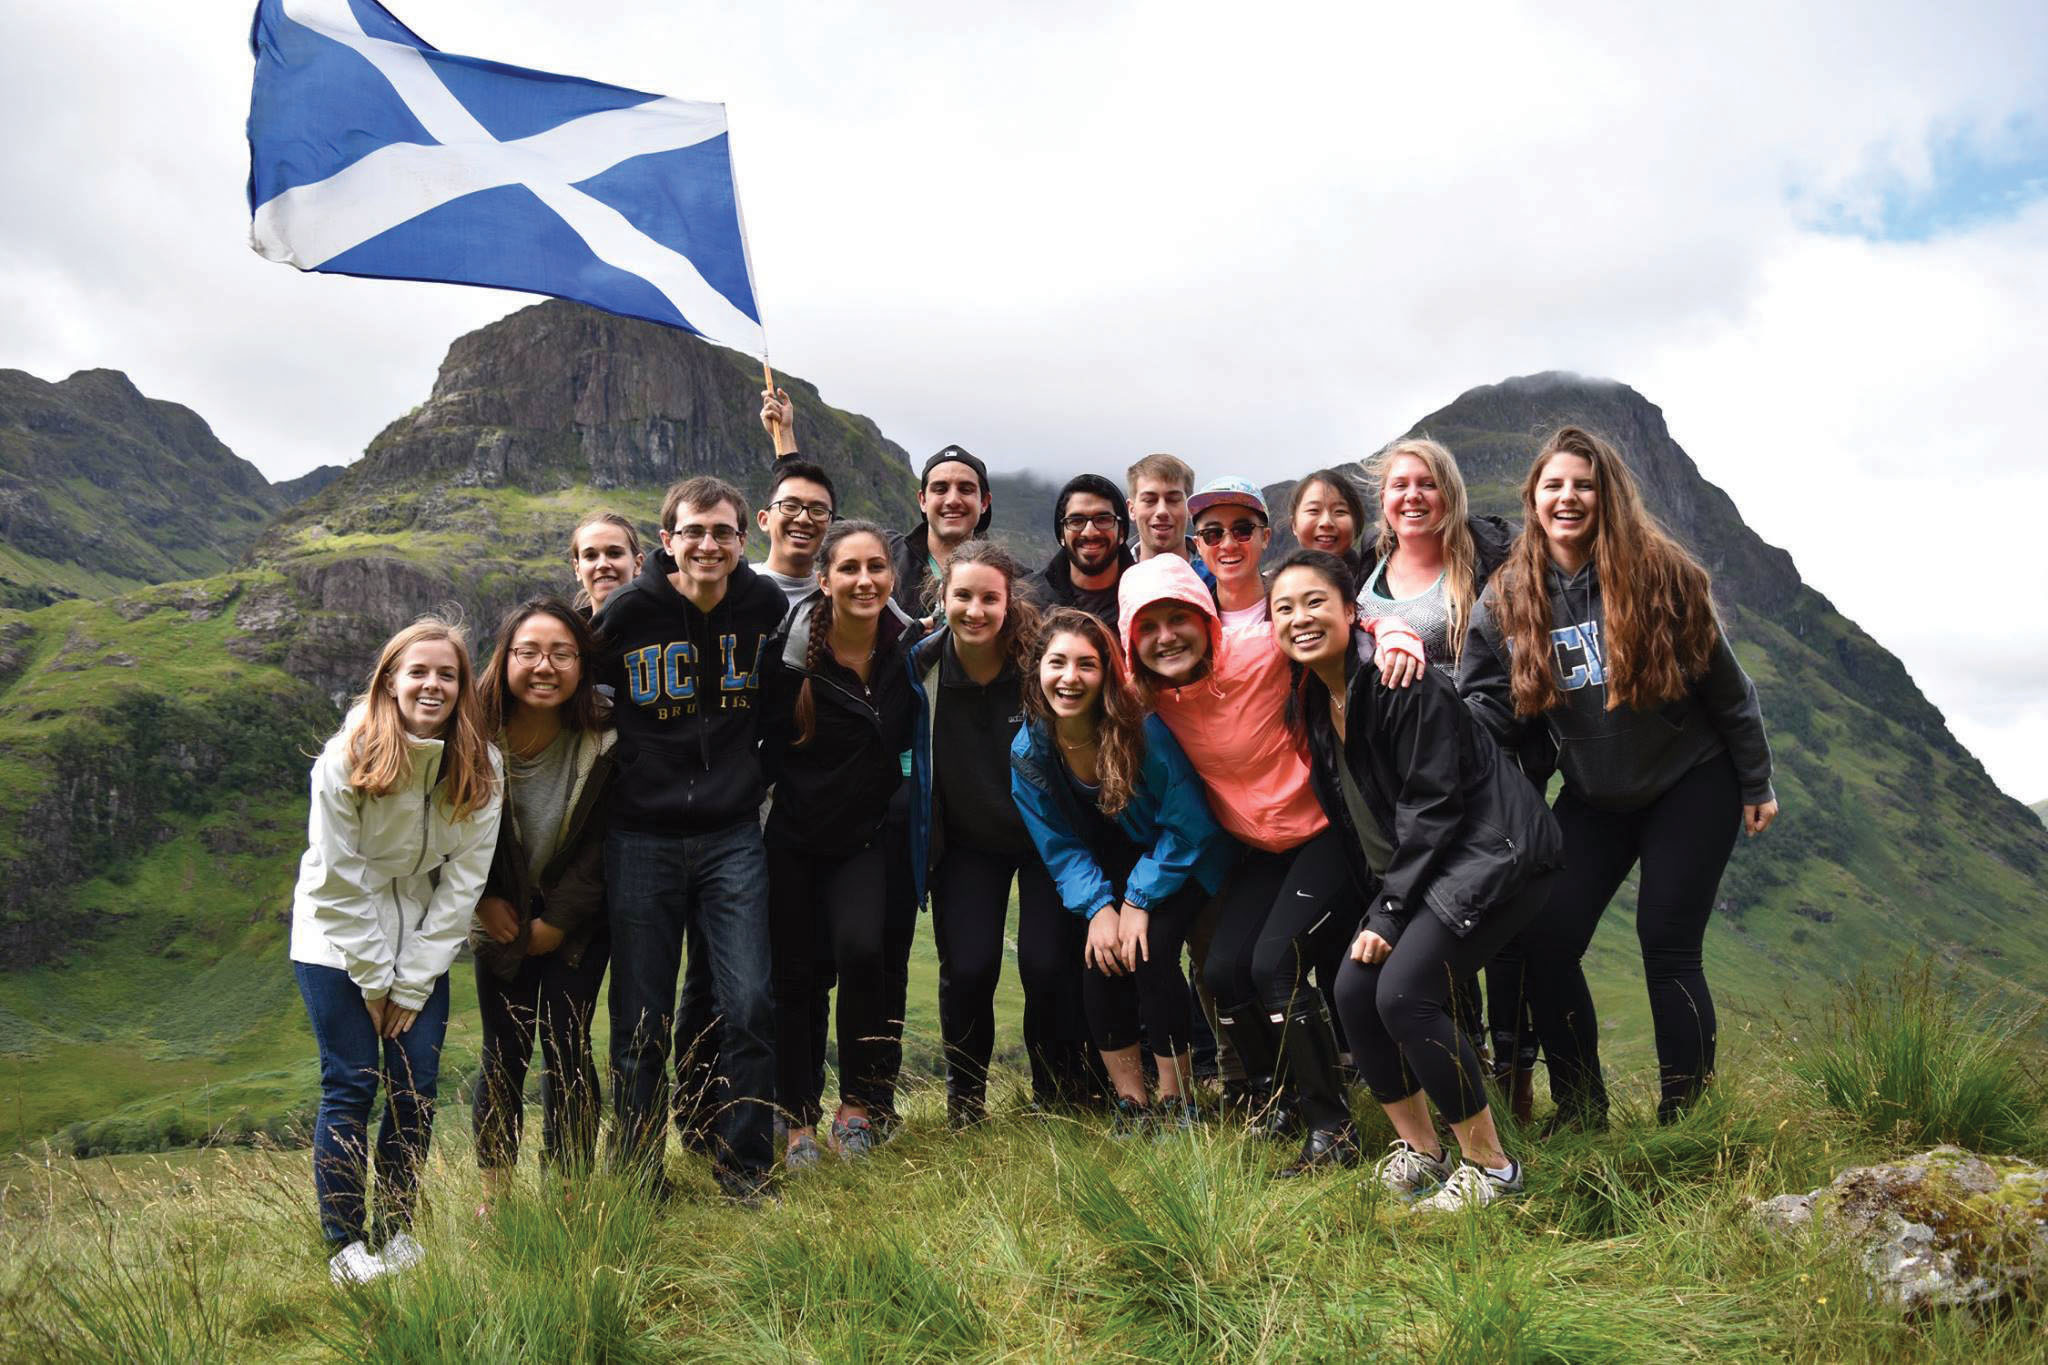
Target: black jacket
1054,587
988,719
832,794
686,693
1467,831
910,552
569,894
1621,759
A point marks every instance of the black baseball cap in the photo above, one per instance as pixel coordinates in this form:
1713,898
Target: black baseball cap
973,462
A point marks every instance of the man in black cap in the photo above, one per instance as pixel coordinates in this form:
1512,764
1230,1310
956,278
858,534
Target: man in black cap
1092,523
953,495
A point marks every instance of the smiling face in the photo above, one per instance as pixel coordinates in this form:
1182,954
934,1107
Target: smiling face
977,599
1234,561
1090,532
1568,506
858,578
795,519
1172,639
542,667
1160,508
952,501
706,543
603,559
1410,499
1312,616
1070,673
1323,520
425,683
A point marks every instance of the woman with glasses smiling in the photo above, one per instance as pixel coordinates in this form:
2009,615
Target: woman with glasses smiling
539,933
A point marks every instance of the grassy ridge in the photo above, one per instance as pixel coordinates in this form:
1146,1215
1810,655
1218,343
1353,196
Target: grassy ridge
1043,1240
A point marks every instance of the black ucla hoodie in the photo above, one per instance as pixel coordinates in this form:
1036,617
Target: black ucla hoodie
686,699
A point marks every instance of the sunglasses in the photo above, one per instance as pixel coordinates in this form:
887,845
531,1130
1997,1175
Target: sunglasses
1240,531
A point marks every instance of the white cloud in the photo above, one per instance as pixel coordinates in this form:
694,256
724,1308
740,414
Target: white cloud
1063,234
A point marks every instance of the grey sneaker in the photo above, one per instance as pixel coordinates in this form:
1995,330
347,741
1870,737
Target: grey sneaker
854,1137
401,1252
1407,1173
355,1264
802,1154
1469,1187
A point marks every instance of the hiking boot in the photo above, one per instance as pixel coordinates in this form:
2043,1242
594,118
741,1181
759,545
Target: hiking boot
1471,1187
355,1264
854,1137
1407,1173
802,1154
965,1111
1322,1150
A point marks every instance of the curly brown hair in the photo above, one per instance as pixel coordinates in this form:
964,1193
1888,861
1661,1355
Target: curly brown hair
1120,725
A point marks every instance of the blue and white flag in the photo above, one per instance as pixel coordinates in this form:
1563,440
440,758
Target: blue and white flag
372,153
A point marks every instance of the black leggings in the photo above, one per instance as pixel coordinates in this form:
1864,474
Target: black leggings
1398,1016
1682,840
827,917
555,1001
1156,992
970,906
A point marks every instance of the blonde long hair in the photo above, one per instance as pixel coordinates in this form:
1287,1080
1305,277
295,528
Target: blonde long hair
379,757
1657,601
1461,556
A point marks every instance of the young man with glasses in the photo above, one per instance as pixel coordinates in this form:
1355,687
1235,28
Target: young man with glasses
1092,522
680,646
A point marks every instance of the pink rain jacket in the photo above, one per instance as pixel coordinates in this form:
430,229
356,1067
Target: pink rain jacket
1232,721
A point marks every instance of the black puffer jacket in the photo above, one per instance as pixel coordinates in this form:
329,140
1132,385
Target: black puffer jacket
832,793
1466,830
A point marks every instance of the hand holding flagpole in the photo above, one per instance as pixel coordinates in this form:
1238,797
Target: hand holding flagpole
778,414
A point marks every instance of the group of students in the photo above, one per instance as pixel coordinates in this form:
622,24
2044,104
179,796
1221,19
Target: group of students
1323,784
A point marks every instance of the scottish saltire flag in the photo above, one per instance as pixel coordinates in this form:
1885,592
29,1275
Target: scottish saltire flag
372,153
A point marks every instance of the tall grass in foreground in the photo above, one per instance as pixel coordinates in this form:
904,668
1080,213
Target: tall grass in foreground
1906,1059
1030,1239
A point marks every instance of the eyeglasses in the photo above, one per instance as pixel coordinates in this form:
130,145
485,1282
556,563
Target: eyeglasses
561,656
1240,531
1101,521
792,508
723,535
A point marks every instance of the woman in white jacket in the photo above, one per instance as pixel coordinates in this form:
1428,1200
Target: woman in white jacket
404,820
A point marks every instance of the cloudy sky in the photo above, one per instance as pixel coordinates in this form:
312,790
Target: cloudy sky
1263,237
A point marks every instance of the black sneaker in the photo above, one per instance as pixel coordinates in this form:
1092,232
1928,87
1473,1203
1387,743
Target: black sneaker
1324,1149
1133,1120
1174,1118
965,1111
746,1190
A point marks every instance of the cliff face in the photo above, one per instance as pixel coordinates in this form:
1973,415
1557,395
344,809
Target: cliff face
100,485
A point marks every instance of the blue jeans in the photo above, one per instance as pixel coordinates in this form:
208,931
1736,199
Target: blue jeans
353,1062
716,885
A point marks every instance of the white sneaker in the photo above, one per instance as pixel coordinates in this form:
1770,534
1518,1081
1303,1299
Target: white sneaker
1472,1188
355,1264
401,1253
1407,1173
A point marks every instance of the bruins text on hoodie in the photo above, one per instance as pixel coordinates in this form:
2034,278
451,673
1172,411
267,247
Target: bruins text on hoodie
686,699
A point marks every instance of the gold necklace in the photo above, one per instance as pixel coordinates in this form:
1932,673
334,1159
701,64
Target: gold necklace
1075,748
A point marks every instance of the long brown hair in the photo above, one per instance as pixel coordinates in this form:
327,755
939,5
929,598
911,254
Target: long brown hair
494,699
379,756
1022,617
820,643
1461,556
1660,627
1120,730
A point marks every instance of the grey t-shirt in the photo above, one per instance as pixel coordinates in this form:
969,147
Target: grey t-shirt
538,789
1378,852
794,587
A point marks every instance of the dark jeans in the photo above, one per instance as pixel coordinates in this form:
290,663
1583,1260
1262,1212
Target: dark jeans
1156,993
354,1061
970,906
555,1002
716,883
829,918
1050,939
700,1089
1398,1013
1683,840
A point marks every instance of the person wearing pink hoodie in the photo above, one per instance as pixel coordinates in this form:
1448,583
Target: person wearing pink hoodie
1222,689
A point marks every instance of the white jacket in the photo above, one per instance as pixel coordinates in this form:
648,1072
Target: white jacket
389,883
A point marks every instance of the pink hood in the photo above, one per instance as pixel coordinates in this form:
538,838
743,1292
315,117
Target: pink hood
1230,721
